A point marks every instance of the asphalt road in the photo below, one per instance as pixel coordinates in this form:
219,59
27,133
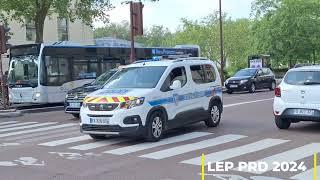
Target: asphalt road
48,145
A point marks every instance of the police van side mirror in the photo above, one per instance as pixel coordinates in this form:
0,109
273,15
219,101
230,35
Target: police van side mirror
176,85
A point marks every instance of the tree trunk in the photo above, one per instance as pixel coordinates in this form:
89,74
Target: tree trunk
39,24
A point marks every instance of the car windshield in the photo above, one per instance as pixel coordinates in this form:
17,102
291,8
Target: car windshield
103,78
245,72
303,78
136,77
24,70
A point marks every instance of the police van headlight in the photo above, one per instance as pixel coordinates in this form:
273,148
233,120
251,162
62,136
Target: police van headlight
132,103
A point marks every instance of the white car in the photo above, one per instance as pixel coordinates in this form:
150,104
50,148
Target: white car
149,97
297,98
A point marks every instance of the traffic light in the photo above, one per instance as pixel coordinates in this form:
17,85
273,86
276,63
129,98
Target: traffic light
4,38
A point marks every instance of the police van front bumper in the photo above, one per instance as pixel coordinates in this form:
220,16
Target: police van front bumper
111,129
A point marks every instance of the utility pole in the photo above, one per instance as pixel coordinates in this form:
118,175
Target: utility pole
132,54
221,45
136,24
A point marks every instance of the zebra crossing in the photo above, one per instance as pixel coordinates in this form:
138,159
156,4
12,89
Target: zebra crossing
67,137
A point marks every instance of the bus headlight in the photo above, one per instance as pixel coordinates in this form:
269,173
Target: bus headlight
132,103
37,95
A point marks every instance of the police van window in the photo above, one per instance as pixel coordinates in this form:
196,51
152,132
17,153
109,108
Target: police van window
198,74
176,74
210,73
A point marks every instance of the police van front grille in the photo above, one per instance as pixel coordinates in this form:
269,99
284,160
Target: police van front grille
90,127
103,107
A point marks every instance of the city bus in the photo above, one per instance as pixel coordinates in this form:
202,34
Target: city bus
42,74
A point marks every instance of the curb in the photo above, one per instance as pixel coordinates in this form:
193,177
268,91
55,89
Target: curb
10,113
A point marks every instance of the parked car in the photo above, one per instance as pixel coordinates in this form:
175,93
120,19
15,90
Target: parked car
251,79
297,98
74,98
149,97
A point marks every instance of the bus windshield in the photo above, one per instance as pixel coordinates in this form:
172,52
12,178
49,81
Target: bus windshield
24,71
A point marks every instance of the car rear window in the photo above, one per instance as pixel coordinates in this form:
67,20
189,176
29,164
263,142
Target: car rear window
302,77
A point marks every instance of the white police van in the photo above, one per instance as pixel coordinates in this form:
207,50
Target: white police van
149,97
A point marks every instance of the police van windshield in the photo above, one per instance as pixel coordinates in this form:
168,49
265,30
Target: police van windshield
136,77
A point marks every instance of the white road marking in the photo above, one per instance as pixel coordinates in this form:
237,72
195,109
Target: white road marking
17,124
7,163
42,135
66,141
41,138
98,144
8,122
237,151
307,174
247,102
37,130
143,146
9,144
288,156
27,127
193,146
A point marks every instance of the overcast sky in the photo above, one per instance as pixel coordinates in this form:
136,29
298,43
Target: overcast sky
169,12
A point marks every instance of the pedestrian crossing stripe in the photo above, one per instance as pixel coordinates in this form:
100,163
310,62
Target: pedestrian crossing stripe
193,146
237,151
287,156
85,143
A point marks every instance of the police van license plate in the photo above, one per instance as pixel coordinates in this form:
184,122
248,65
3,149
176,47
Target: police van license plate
99,121
307,112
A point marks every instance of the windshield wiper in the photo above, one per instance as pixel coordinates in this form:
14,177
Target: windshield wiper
311,82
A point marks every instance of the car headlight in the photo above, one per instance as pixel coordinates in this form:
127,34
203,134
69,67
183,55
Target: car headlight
67,95
132,103
226,82
243,81
85,105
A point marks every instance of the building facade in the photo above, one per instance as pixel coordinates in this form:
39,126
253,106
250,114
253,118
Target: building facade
55,29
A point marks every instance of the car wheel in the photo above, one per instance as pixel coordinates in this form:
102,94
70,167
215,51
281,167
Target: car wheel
229,91
98,136
272,86
252,88
282,123
76,115
155,126
214,115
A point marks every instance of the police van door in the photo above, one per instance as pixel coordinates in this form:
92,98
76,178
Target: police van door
177,101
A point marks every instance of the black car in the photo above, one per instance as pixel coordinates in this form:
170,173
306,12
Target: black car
74,97
250,79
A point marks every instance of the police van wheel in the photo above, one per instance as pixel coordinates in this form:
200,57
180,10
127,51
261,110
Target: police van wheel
76,115
98,136
214,115
155,126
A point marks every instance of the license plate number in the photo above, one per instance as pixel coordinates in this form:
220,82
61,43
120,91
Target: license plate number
101,121
233,86
74,105
307,112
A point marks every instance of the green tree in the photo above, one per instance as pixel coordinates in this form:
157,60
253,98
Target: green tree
117,30
38,10
289,30
156,36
